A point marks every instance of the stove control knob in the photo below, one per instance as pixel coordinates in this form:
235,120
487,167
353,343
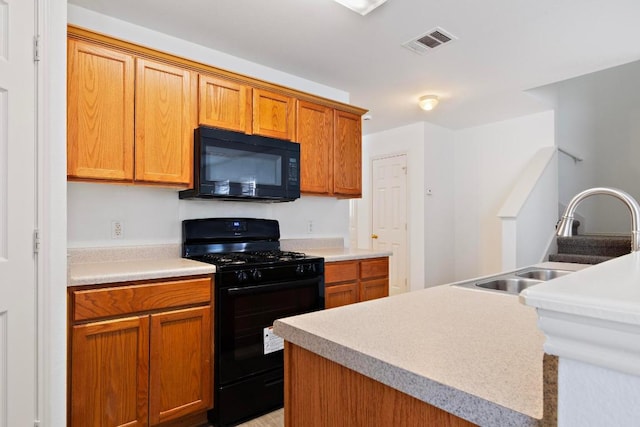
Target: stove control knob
299,269
241,276
256,274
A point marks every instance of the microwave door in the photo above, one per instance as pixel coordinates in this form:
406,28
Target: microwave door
244,167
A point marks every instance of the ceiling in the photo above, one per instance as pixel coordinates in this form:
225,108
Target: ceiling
503,48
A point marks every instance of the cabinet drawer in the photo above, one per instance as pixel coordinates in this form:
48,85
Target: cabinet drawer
119,300
335,272
377,267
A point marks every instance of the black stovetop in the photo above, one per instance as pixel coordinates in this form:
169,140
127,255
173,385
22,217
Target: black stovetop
251,258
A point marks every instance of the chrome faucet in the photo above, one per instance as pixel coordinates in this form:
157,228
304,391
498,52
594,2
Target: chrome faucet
565,225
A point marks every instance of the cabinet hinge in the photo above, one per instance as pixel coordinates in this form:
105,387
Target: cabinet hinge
36,48
36,241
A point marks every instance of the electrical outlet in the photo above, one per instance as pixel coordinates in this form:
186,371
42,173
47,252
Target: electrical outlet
117,231
309,226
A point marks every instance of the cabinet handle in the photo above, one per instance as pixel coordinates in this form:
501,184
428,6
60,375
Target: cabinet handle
374,236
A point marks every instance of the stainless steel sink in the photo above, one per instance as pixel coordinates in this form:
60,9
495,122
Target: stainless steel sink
542,273
514,282
511,285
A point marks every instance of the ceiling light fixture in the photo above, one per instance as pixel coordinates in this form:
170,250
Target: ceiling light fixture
428,102
361,6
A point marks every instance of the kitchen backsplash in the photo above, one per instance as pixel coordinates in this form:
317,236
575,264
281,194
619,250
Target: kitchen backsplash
173,250
153,216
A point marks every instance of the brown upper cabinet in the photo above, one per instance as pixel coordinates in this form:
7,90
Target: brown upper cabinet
166,105
235,106
347,154
224,104
99,112
330,150
107,135
273,114
315,135
132,111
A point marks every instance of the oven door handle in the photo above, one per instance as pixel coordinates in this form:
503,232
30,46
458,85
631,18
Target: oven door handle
273,286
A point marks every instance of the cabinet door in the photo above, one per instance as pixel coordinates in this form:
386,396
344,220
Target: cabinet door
338,295
165,119
181,375
109,373
375,288
347,154
224,104
273,114
100,93
314,132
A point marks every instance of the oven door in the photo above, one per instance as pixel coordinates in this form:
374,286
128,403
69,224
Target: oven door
244,312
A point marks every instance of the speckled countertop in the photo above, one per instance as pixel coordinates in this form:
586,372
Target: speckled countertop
94,266
346,254
475,354
125,271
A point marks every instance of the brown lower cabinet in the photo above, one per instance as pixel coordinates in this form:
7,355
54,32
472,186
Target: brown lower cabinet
319,393
141,353
348,282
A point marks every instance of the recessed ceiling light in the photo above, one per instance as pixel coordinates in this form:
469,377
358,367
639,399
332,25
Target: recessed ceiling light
361,6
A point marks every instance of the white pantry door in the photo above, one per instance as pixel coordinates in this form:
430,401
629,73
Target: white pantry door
17,214
389,216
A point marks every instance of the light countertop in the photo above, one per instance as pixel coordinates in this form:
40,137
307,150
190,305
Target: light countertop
93,273
608,291
593,316
473,353
346,254
122,264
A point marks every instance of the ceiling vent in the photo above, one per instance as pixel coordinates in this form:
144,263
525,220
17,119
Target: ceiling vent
430,40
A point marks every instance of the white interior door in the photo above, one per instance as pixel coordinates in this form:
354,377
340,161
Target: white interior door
389,216
17,214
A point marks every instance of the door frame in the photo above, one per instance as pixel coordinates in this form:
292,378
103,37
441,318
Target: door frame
51,286
406,201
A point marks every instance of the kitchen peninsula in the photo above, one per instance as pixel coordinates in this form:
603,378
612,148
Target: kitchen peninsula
445,355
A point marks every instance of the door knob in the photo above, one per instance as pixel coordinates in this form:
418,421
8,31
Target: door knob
374,236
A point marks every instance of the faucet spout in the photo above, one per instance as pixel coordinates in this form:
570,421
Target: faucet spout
564,228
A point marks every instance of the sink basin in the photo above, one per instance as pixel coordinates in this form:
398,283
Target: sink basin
510,285
514,282
542,274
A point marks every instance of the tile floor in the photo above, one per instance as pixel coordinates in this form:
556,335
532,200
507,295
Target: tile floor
272,419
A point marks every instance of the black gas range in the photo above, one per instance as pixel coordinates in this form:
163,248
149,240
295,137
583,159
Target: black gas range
255,284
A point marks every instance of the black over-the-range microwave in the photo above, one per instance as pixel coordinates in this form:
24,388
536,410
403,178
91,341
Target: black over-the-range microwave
234,166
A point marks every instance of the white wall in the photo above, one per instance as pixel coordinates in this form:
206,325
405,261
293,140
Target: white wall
592,396
537,219
429,159
530,212
439,205
152,215
136,34
488,160
598,118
